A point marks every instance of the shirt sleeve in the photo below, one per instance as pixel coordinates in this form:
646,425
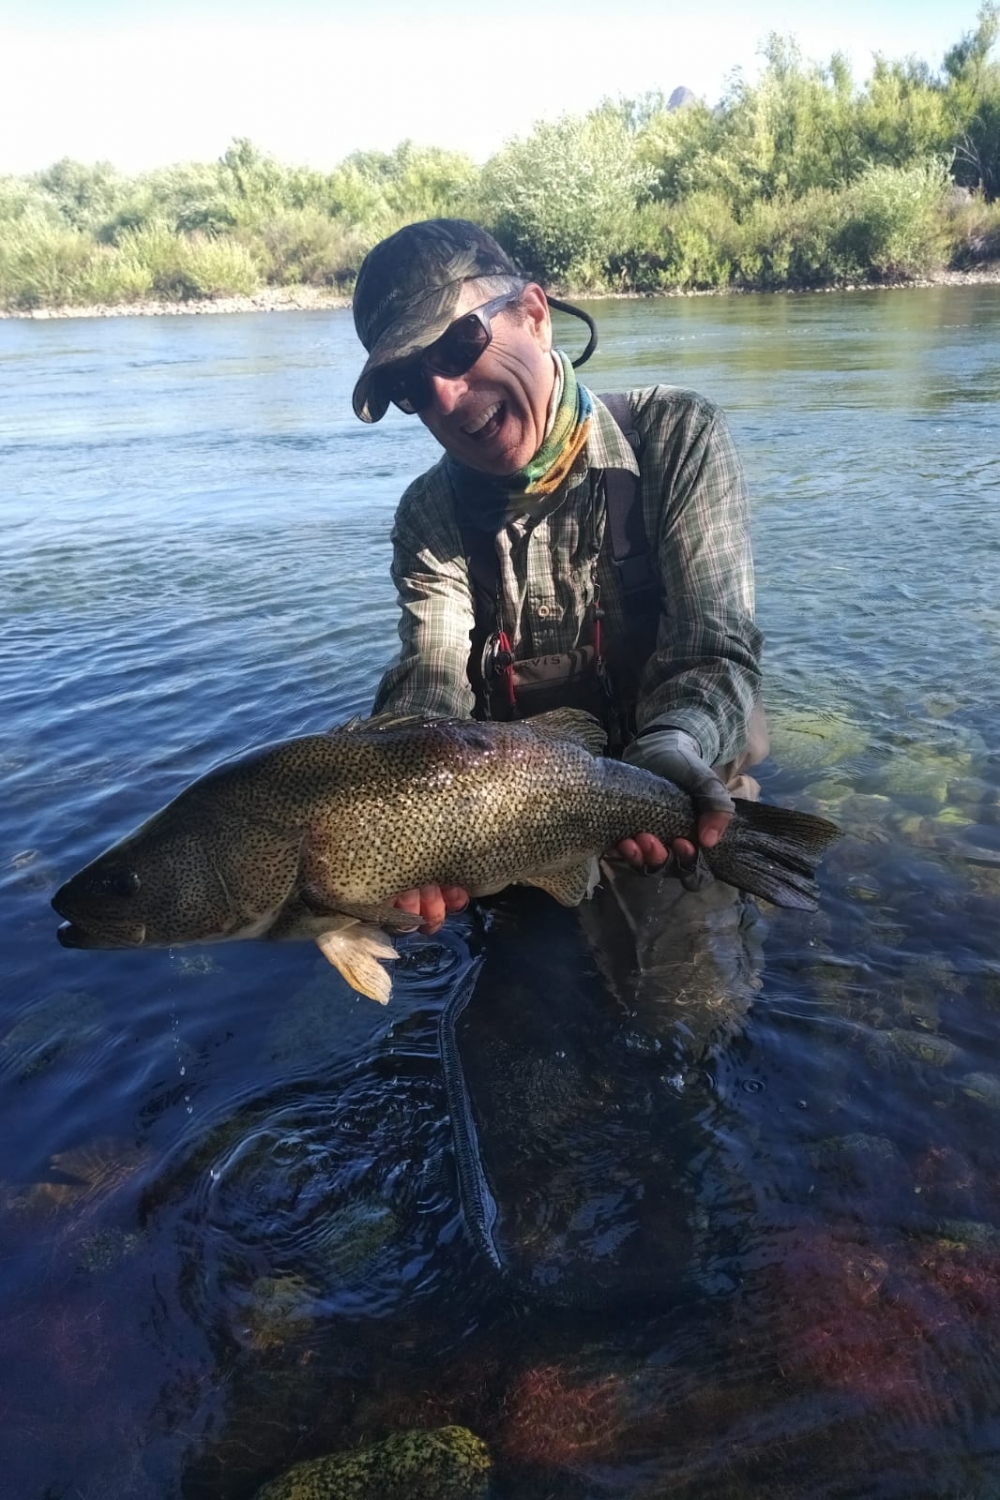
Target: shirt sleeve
704,674
436,617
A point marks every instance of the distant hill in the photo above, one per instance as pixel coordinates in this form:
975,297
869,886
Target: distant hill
680,97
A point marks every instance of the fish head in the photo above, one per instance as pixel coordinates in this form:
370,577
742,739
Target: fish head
159,887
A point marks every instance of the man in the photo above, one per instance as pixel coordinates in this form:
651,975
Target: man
457,336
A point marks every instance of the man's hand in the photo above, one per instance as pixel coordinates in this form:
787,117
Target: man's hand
432,903
676,755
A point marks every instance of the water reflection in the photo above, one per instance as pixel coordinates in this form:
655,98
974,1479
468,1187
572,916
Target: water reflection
235,1225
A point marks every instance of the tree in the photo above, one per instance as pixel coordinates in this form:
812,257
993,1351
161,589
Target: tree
561,199
972,96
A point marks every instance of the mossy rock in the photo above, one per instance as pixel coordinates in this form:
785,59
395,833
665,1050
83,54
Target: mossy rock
926,771
105,1249
920,1046
969,1234
983,1087
82,1177
807,740
448,1463
63,1023
280,1310
873,1150
352,1235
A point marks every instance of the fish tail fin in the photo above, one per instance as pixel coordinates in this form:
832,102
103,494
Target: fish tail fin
772,852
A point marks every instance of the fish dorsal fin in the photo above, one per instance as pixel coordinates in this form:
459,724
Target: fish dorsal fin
354,949
571,724
569,886
378,722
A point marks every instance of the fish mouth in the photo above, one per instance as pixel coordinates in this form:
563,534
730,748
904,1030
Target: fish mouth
71,935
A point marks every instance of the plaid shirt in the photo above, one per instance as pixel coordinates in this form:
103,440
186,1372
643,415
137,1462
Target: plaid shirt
704,673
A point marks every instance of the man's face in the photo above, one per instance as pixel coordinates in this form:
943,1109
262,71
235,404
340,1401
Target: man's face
492,418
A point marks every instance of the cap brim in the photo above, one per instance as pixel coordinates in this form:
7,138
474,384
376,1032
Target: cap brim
416,328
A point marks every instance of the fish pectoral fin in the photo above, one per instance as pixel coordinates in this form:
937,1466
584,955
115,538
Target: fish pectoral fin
356,949
394,920
570,885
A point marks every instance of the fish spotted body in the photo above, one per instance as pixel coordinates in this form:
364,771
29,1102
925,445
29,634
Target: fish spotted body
313,837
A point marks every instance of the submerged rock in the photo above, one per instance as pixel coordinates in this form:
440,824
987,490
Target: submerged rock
105,1249
449,1463
63,1023
350,1236
808,740
983,1087
918,1046
280,1310
80,1178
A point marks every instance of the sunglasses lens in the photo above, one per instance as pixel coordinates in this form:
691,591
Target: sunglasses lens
459,347
408,389
455,352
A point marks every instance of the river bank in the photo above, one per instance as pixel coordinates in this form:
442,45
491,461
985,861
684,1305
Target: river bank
321,299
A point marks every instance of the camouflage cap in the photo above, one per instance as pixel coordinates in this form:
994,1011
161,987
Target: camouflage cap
407,291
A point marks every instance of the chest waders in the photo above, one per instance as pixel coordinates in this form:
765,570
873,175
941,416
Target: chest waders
506,687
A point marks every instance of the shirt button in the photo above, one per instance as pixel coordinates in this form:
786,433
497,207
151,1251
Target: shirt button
543,611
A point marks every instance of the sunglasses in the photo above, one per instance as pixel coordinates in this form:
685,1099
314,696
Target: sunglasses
455,352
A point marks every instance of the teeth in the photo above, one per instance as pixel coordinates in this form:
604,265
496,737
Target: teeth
480,422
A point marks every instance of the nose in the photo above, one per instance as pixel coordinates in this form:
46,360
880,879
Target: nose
447,391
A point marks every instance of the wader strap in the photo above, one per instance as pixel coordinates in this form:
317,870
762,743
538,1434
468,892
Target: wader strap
625,522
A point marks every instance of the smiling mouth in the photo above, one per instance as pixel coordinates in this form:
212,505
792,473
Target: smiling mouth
486,424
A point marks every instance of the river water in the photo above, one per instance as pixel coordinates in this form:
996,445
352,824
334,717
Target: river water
238,1202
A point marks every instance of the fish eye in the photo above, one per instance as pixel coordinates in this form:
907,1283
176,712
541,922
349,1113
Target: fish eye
122,883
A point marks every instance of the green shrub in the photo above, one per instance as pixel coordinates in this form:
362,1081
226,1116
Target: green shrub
109,278
793,242
560,199
894,223
973,229
39,262
641,261
306,247
184,267
702,240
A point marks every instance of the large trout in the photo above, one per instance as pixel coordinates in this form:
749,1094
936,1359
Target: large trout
313,837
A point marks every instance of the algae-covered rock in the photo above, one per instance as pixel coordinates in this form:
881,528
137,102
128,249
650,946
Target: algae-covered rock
967,1234
80,1178
920,769
806,740
869,1165
449,1463
106,1248
983,1087
919,1046
63,1023
350,1236
280,1310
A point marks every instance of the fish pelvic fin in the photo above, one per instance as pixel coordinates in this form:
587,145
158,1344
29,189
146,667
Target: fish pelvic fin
356,950
572,724
772,852
569,886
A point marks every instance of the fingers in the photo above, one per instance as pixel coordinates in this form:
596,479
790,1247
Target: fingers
643,852
711,827
455,898
432,903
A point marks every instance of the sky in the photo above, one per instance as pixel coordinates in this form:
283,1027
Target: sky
144,83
